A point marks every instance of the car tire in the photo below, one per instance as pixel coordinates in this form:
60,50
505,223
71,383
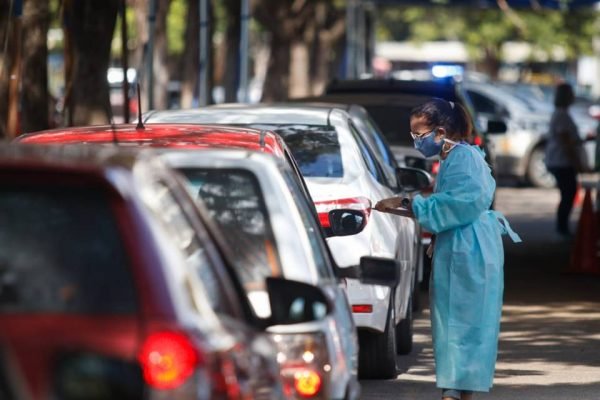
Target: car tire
377,352
404,332
537,174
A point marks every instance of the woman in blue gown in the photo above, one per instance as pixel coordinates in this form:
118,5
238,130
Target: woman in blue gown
467,278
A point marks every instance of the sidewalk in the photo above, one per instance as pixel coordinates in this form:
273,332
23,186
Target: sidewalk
550,335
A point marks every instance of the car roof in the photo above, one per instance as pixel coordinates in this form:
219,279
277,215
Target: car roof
439,88
162,135
70,157
247,114
189,157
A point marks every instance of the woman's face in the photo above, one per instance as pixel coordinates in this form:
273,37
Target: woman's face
420,126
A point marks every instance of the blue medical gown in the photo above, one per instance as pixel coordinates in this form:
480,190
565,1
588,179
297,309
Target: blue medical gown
467,279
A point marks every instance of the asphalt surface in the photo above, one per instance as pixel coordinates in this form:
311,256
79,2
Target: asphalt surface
550,334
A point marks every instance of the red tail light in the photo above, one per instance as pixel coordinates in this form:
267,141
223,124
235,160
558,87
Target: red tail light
168,359
307,383
362,308
477,140
435,167
352,203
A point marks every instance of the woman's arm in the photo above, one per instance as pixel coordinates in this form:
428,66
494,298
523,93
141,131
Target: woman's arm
466,190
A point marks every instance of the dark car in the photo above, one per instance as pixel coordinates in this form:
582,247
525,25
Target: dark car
115,285
389,103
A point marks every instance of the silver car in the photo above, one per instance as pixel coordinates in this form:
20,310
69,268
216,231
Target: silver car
261,209
341,171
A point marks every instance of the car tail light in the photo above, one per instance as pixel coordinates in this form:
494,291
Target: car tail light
307,383
168,359
477,140
304,364
435,167
352,203
362,308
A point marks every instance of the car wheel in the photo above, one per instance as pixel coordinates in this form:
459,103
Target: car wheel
537,173
404,332
377,352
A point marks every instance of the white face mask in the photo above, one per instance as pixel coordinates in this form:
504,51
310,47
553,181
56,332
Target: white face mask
452,142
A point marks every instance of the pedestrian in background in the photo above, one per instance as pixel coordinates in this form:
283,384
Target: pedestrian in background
467,279
565,156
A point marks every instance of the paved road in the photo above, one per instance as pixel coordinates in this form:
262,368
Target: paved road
550,336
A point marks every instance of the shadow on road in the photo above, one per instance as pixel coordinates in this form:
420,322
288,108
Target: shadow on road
550,334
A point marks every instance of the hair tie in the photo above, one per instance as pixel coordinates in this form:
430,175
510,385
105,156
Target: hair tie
451,105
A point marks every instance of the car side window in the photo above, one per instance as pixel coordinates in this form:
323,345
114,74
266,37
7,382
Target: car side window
483,104
315,236
367,156
183,235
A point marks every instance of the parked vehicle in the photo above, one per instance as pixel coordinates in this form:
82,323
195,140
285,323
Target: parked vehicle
527,119
371,134
520,149
246,193
240,190
115,285
390,101
342,172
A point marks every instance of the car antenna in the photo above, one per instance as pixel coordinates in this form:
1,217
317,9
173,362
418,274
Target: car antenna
140,124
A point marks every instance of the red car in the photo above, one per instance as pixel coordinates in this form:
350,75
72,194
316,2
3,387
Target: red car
114,285
181,136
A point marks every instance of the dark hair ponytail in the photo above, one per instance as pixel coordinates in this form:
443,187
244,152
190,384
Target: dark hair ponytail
450,115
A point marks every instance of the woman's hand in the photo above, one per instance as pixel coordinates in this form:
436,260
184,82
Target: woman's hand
392,202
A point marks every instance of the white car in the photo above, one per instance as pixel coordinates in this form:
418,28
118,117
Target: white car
260,207
342,173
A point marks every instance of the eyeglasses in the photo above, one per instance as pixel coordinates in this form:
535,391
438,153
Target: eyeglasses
420,135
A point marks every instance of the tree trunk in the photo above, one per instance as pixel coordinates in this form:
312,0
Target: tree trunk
161,65
299,69
91,22
231,78
190,57
35,71
141,30
491,61
5,67
328,49
277,81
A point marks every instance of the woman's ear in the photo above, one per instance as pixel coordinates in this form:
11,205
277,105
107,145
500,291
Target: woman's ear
440,131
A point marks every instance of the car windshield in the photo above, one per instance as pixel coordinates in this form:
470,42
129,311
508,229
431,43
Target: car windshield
316,148
234,200
61,252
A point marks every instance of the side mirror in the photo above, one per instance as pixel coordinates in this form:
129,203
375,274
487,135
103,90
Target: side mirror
495,127
413,179
294,302
344,222
374,271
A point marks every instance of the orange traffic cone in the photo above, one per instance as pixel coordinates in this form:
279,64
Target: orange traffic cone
584,254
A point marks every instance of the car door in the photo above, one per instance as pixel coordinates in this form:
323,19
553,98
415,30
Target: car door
252,356
327,279
405,234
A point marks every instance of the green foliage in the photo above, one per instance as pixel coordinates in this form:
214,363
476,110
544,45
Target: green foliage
484,30
176,20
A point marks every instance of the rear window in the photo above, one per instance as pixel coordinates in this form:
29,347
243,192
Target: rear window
61,252
234,200
316,148
394,121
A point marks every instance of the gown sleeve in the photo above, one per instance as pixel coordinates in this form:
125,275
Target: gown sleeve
466,190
